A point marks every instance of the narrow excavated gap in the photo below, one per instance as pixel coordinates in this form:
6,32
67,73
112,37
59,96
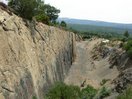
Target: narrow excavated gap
34,56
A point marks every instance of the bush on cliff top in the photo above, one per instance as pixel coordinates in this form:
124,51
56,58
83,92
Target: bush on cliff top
29,9
128,48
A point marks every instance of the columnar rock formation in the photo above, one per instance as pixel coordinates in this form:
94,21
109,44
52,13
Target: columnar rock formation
32,57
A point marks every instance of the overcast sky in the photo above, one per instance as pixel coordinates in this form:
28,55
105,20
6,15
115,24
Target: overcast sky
105,10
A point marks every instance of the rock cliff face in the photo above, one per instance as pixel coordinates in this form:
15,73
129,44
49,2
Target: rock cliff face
118,58
32,57
124,65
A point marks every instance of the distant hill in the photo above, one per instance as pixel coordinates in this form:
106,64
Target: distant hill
89,25
96,23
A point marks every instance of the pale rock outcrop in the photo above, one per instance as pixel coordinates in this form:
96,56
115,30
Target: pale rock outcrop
118,58
32,57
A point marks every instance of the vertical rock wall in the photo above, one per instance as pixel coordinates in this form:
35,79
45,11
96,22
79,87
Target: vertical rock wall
32,57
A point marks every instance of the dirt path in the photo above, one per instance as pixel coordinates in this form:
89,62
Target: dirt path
85,69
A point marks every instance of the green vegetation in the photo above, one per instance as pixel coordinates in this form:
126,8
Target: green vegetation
103,81
127,94
42,18
102,93
88,31
34,97
24,8
128,48
126,34
51,12
97,29
63,24
63,91
30,9
88,93
87,35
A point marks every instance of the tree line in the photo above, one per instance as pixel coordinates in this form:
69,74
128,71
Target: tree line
37,9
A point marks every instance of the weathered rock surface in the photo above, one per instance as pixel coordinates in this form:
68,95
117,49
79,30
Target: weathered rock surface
32,57
118,58
124,65
87,71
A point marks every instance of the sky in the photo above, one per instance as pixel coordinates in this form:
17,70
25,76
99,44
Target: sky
119,11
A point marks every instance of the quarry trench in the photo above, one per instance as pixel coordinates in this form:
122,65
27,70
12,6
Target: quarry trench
32,59
88,71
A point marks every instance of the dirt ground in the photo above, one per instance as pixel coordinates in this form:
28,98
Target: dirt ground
86,71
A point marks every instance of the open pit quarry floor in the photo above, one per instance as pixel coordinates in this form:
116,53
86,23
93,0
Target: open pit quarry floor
87,70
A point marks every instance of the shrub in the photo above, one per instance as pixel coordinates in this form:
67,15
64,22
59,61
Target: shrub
43,18
129,52
88,93
34,97
126,34
102,93
63,24
63,91
103,81
127,94
128,45
128,48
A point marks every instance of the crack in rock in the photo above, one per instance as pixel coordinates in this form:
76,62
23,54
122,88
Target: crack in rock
7,89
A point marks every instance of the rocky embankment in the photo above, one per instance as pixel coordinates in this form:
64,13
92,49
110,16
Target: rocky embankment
89,68
124,64
32,56
118,58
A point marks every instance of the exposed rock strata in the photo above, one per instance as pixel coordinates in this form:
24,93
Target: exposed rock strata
117,57
32,57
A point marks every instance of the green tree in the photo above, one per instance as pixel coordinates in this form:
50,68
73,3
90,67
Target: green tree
35,8
51,12
126,34
42,18
129,52
128,48
24,8
128,45
63,24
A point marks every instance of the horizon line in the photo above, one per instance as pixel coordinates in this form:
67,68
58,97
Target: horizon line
97,20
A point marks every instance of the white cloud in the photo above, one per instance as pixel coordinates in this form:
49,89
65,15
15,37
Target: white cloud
105,10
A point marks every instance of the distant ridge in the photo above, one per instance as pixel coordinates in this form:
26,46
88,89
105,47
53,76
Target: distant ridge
96,23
